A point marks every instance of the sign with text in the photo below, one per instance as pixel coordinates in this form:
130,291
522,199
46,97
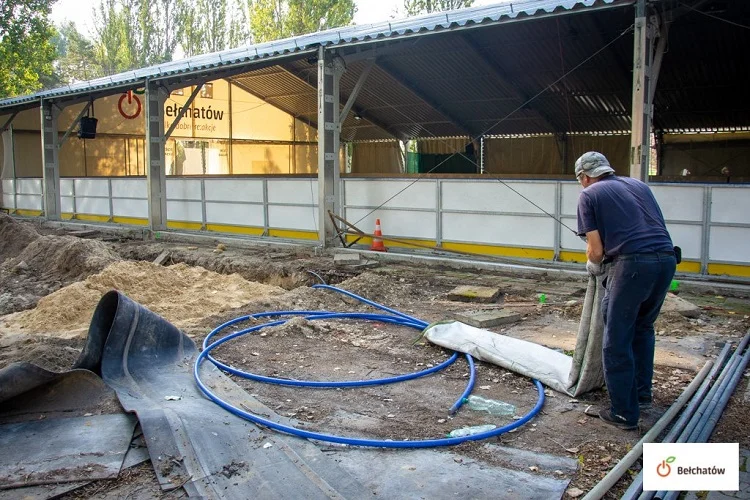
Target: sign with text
691,467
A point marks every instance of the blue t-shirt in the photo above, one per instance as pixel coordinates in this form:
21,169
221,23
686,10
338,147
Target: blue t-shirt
626,214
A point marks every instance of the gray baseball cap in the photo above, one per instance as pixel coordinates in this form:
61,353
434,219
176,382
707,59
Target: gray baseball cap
593,164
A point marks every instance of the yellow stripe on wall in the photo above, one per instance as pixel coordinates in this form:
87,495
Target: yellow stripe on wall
729,270
132,221
176,224
29,213
523,253
689,266
572,256
226,228
296,235
92,218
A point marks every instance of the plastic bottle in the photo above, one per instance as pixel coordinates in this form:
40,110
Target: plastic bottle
491,406
470,431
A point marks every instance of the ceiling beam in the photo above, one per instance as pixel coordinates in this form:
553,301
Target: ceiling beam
502,77
422,96
260,96
357,110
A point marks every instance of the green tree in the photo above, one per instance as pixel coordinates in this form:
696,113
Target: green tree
26,48
135,33
212,25
76,57
239,34
416,7
275,19
110,46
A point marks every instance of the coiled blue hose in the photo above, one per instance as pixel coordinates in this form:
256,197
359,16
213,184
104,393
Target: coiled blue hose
396,318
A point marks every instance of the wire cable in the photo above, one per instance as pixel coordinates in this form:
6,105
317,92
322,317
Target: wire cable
485,132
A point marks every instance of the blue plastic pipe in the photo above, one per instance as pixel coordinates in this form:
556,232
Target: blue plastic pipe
396,318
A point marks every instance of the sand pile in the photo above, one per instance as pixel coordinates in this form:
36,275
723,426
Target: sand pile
14,236
64,258
180,293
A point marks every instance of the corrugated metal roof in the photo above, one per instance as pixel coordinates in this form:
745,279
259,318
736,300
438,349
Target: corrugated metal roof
349,35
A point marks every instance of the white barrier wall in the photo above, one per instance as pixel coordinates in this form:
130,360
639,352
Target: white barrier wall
711,223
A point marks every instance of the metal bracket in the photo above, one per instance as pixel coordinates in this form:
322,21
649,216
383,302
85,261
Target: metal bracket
8,122
182,111
75,122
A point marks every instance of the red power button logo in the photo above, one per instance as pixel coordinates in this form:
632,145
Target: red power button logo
664,469
133,105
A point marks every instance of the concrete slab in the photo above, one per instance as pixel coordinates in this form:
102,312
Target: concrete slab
161,258
673,303
488,319
346,258
470,293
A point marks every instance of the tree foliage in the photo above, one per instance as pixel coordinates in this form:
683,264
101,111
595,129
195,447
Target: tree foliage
212,25
76,56
26,49
275,19
416,7
132,34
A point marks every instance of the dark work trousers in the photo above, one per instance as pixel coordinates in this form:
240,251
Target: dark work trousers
634,292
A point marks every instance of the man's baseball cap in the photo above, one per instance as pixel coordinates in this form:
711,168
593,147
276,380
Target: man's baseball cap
593,164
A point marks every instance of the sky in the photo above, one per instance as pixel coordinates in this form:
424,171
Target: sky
368,11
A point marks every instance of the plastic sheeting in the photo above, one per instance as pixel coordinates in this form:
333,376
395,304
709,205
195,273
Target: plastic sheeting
570,375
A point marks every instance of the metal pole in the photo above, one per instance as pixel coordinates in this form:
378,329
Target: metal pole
636,488
629,459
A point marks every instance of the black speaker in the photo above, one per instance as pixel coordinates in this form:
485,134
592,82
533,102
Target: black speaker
87,128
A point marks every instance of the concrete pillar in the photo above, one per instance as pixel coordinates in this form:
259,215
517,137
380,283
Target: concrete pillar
330,69
155,161
640,137
50,160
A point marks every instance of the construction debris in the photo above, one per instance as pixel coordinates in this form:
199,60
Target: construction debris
487,319
469,293
673,303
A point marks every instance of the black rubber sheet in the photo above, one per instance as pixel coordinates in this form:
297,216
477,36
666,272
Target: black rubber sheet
192,442
64,449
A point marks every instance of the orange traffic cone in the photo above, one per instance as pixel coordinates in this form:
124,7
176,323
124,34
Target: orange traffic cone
377,243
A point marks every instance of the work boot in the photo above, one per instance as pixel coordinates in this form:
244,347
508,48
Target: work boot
616,421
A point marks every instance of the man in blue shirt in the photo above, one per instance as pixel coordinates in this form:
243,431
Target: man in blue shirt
623,223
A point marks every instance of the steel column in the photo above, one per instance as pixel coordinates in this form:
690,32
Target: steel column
155,156
50,160
641,111
330,69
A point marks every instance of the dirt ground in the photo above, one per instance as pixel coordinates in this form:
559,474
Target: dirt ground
51,279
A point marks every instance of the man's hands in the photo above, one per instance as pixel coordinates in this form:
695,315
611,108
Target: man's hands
594,269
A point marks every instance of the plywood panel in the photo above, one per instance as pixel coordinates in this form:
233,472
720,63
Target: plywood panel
92,187
302,191
234,190
512,230
493,196
183,189
730,205
285,217
122,207
190,211
688,238
395,222
129,188
94,206
391,193
235,214
729,244
680,202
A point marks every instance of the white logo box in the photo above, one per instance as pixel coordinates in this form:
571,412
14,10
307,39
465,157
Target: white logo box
691,466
